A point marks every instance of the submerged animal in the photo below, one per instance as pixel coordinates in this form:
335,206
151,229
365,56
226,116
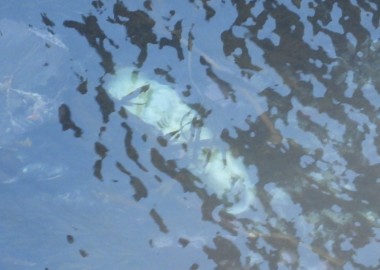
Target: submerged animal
160,106
157,105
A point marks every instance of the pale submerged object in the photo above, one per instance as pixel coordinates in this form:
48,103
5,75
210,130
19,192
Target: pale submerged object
160,106
157,105
227,176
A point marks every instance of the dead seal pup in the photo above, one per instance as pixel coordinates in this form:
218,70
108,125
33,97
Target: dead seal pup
159,105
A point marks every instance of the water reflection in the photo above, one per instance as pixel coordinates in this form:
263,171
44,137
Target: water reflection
231,135
26,98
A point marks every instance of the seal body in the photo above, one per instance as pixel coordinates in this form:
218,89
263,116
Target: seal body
160,106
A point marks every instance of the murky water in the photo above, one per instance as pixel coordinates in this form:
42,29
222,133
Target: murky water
192,135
